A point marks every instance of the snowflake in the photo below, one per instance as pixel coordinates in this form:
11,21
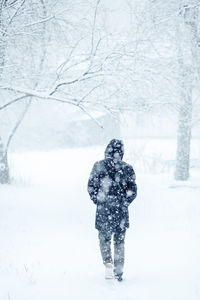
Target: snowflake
2,166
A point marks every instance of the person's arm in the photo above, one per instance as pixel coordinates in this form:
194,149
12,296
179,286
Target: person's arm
93,183
131,187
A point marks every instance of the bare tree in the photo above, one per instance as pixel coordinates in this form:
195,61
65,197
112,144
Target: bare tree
80,63
77,67
189,71
87,66
172,61
12,14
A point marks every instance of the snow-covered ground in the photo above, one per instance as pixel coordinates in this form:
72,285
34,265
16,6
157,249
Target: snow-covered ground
49,247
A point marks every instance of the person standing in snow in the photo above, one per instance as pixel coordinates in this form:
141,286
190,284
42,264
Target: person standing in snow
112,188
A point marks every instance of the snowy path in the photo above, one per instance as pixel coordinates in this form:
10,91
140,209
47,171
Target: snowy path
49,247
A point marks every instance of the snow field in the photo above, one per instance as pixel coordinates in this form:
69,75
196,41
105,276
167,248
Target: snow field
49,247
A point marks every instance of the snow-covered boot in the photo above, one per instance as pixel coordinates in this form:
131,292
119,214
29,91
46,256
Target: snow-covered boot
109,271
118,277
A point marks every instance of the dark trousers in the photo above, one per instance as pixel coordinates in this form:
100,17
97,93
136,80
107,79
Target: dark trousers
105,247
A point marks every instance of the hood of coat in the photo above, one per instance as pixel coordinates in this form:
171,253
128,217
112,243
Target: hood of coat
115,150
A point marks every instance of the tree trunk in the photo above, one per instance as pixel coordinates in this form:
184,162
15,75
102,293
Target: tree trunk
4,168
188,69
184,138
185,113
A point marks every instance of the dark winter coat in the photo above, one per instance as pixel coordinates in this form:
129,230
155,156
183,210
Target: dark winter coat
112,188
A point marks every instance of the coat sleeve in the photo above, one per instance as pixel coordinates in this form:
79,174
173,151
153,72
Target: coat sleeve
131,187
94,183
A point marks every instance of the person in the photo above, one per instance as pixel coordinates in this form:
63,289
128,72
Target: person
112,188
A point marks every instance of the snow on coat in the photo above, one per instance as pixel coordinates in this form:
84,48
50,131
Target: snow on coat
112,188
